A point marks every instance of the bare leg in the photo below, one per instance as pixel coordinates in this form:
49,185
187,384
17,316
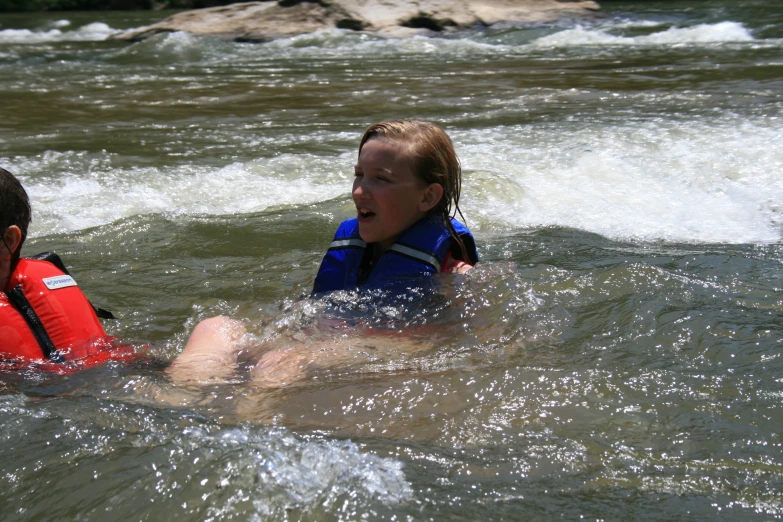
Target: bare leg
210,354
292,363
281,367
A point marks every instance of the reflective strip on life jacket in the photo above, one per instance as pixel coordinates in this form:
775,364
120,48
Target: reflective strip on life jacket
420,250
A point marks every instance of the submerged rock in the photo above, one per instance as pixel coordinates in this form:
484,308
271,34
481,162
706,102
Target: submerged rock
268,20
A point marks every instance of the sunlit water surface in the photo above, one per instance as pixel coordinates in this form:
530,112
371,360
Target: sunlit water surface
615,355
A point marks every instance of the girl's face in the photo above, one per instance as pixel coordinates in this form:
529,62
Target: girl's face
389,197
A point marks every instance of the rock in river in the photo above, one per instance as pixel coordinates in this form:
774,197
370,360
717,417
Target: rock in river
267,20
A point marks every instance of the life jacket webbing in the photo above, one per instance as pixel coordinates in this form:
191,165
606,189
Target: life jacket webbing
424,257
351,242
18,300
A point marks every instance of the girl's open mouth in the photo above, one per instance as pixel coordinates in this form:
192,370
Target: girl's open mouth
365,213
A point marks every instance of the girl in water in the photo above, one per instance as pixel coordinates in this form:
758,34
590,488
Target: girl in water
406,190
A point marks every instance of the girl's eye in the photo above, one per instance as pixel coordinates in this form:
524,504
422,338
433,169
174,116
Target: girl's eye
383,178
358,174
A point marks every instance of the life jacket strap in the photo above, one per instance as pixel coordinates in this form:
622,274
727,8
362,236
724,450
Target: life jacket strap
345,243
18,300
418,255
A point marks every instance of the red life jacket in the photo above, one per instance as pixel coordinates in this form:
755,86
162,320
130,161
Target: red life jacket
64,314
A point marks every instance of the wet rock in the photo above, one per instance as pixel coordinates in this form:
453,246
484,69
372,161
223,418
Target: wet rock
269,20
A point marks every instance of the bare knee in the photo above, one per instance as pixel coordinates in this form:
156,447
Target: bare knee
219,328
211,351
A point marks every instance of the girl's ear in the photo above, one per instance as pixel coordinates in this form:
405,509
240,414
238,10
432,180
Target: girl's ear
431,197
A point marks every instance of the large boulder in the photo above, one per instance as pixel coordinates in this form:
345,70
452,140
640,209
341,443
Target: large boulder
269,20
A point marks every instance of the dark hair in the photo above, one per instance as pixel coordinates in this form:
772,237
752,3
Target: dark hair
14,206
432,160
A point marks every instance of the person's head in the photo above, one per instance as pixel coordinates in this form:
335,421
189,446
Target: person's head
407,170
15,216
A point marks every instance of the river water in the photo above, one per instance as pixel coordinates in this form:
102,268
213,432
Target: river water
616,355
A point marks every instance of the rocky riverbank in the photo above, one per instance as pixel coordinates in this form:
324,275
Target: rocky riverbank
268,20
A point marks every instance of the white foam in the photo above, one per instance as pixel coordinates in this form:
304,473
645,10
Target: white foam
701,181
723,32
290,472
177,46
28,36
89,191
93,32
338,42
630,23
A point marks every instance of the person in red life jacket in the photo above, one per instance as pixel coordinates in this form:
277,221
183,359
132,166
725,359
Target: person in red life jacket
406,191
45,320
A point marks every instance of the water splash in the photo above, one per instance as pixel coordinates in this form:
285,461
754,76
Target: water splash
701,181
73,191
722,32
92,32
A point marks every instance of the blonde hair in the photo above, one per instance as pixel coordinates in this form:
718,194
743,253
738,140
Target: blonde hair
432,160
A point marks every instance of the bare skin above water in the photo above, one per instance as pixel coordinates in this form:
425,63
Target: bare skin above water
219,346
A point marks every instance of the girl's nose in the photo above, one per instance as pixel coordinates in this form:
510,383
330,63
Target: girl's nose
360,190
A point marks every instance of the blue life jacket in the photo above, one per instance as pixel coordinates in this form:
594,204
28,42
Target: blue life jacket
418,252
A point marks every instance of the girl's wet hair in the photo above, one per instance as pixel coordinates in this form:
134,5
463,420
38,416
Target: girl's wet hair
432,160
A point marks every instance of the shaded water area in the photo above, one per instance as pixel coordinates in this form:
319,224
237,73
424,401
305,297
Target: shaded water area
616,355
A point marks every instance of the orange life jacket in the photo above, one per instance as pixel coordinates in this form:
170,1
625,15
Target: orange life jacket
45,319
